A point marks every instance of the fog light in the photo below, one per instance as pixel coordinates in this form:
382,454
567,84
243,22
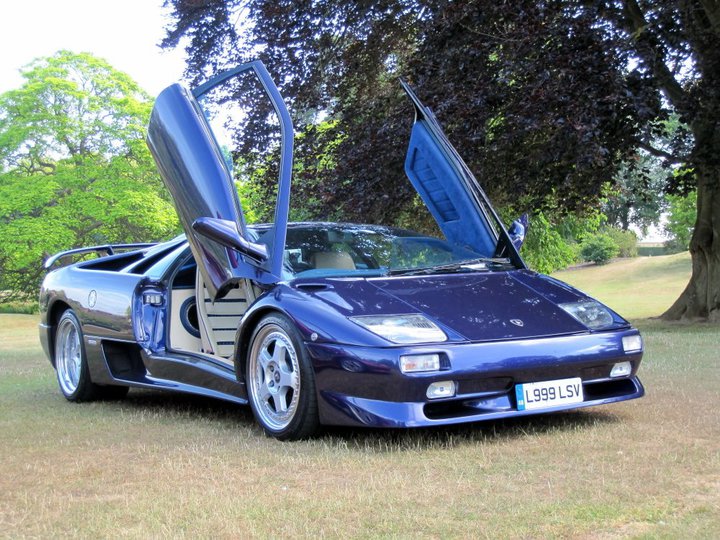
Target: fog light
632,343
441,389
621,369
419,362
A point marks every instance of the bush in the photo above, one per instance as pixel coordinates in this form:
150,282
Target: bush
681,221
28,308
599,248
625,240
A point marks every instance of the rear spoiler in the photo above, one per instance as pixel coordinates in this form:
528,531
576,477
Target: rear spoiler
107,250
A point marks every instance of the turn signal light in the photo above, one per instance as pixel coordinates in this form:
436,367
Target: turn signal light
632,343
414,363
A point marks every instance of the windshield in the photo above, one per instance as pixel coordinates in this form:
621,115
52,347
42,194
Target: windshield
322,250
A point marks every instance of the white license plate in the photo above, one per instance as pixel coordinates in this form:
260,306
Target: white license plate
547,394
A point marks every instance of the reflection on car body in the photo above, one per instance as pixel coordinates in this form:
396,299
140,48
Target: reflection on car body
329,323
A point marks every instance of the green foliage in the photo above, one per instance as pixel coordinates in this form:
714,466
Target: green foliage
626,241
598,248
75,168
315,179
681,221
545,249
552,241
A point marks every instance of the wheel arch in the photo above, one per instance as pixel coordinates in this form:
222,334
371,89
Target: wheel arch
54,313
242,337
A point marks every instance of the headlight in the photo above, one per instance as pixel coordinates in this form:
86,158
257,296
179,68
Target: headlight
590,313
402,328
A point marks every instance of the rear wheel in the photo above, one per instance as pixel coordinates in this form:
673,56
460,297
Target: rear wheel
73,374
280,380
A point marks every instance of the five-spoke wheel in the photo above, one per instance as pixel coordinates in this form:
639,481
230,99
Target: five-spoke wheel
73,374
68,354
280,380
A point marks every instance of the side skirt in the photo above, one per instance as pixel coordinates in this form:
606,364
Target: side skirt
129,364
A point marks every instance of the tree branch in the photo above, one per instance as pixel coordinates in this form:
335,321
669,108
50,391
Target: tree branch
635,24
712,11
658,152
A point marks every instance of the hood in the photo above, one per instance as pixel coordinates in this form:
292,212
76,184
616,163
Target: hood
474,307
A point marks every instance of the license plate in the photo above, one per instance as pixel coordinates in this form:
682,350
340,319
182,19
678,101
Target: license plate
547,394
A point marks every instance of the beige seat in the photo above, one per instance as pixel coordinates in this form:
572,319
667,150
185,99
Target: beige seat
339,260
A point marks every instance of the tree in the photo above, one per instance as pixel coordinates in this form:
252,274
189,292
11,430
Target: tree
499,78
543,99
74,167
637,197
676,44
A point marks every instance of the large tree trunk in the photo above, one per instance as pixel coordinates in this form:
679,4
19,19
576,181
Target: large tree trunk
701,297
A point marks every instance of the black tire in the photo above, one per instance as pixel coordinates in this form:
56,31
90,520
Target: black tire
71,366
281,381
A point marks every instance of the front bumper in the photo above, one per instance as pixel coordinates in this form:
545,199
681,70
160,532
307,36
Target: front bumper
364,386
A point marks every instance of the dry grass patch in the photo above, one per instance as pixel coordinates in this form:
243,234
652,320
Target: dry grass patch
636,288
165,465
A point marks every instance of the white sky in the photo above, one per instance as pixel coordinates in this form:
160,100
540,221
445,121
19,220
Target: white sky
125,33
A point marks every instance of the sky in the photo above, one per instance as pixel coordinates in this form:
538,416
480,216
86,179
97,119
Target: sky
125,33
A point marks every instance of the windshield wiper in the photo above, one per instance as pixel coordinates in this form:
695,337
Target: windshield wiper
470,264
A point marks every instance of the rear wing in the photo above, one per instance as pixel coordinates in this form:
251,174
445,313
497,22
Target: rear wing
102,250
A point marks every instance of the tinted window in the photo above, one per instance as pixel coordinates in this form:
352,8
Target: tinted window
363,250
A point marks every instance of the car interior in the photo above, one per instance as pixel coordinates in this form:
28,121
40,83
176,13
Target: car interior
199,325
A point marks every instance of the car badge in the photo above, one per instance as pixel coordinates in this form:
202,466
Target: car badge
517,322
92,298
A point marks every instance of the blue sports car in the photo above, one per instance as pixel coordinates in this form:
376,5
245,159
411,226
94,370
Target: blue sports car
328,323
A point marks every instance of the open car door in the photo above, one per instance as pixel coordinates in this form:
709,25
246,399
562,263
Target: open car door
451,192
198,173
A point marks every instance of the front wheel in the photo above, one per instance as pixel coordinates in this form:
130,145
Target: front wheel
280,380
73,373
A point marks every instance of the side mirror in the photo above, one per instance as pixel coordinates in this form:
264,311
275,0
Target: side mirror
518,230
226,233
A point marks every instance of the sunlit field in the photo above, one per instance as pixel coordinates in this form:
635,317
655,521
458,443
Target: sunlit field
164,465
636,288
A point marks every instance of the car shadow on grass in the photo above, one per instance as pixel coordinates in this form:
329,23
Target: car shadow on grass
486,432
373,439
175,404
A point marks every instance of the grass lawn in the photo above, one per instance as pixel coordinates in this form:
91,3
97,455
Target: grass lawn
163,465
636,288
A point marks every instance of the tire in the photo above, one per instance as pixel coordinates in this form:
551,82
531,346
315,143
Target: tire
280,380
73,373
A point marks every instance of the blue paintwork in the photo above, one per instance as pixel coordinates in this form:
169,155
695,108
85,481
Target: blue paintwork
357,372
450,190
193,168
503,327
429,170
